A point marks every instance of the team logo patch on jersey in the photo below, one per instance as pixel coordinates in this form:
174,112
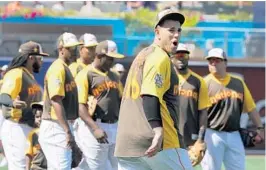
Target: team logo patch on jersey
158,80
57,82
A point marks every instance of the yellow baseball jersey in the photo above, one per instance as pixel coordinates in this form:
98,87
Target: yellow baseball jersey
151,73
105,87
229,97
193,97
76,67
20,82
35,152
60,82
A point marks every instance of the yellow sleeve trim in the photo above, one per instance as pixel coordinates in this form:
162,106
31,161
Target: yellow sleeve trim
203,100
12,82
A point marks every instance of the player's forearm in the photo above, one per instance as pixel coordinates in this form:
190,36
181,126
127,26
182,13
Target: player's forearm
202,123
60,113
255,117
84,115
28,162
151,106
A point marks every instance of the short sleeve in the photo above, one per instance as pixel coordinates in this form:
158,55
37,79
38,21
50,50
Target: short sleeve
29,150
249,104
204,100
156,77
12,83
73,69
56,83
83,86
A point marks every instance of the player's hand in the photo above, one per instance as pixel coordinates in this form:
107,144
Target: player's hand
259,138
100,135
70,140
156,144
18,104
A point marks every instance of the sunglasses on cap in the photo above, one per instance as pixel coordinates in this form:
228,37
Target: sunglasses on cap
181,56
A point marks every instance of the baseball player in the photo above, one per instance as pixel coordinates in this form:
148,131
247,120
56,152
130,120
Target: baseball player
119,69
18,91
98,130
230,97
60,107
194,101
35,158
86,53
147,135
3,161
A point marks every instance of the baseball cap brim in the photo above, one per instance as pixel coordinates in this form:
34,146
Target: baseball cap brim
115,55
172,16
91,45
208,57
73,44
43,54
40,104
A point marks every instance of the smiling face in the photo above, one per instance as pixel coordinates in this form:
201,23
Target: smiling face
167,35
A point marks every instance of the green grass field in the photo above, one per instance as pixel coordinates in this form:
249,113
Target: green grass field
252,163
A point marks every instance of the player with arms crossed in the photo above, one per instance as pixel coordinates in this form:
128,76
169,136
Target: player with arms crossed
230,97
194,101
147,136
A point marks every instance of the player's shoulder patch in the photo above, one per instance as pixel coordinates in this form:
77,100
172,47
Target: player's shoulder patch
158,79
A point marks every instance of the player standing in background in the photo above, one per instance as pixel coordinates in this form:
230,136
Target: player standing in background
98,130
35,159
3,161
147,136
18,91
119,69
60,107
193,98
230,97
86,53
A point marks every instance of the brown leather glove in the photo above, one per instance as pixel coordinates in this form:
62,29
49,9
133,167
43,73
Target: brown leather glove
196,152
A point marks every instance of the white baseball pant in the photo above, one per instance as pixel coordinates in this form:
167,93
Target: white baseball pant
169,159
223,147
14,139
2,119
98,156
52,139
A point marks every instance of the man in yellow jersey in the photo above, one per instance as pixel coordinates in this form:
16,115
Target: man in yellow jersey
3,160
148,136
18,91
98,128
60,107
229,96
193,99
86,53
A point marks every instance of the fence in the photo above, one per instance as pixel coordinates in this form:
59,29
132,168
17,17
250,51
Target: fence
237,42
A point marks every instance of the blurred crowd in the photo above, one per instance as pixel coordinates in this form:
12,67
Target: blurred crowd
97,8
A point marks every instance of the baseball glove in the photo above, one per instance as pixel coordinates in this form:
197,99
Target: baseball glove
196,152
92,103
248,137
76,156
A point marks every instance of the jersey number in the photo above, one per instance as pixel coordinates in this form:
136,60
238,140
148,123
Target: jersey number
133,88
